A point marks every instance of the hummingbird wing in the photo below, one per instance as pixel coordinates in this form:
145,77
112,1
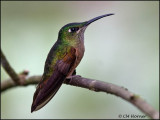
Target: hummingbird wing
48,86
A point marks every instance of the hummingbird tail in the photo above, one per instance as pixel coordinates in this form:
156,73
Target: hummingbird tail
43,95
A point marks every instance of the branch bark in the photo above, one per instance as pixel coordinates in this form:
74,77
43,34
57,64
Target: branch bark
9,69
97,86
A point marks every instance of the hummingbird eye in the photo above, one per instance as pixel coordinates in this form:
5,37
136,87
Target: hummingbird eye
73,29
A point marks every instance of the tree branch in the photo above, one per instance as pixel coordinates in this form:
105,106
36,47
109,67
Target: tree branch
94,85
9,69
97,86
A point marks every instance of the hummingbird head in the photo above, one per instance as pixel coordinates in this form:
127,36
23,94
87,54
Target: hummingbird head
73,33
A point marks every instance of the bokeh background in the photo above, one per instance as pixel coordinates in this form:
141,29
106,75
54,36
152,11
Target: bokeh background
122,49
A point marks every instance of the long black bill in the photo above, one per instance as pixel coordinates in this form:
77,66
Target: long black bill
97,18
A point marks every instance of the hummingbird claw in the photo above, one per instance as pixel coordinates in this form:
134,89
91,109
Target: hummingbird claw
70,77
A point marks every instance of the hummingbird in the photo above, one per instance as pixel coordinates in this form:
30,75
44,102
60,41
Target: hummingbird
63,58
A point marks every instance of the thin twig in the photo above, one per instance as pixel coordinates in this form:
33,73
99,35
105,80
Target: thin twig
9,69
97,86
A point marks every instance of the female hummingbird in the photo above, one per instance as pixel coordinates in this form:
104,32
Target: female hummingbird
63,58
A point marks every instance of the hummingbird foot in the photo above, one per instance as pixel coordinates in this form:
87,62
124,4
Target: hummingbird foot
71,77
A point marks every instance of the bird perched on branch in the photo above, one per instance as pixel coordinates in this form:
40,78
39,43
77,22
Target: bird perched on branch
63,58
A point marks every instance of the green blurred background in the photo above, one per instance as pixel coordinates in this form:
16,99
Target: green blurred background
122,49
